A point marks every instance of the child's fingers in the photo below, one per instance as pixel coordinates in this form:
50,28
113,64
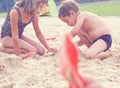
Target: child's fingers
53,50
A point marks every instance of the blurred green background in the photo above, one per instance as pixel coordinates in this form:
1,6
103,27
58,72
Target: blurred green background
111,8
99,7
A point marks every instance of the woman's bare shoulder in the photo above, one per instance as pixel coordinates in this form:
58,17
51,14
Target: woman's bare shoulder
13,12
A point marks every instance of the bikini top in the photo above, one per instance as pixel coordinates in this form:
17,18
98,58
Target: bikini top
6,28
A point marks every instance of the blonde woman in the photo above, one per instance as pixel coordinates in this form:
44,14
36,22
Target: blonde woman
13,40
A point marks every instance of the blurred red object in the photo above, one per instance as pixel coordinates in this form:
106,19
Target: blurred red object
69,67
30,54
52,38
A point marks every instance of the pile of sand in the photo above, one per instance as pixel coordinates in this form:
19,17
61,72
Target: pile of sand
44,72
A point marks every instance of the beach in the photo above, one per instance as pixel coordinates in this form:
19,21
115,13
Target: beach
44,71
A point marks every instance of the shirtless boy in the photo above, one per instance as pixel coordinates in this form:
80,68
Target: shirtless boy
91,29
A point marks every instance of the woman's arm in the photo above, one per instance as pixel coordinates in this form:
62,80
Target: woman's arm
39,33
14,29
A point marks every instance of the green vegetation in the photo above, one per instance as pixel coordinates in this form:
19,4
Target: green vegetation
3,14
102,8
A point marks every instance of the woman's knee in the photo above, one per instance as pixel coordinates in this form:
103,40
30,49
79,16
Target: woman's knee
41,51
34,50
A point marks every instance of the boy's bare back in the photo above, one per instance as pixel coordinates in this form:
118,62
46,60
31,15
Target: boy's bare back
91,26
91,29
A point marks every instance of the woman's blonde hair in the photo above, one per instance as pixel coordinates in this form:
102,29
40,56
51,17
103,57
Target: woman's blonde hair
30,6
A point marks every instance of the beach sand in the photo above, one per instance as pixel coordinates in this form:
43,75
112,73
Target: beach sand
44,72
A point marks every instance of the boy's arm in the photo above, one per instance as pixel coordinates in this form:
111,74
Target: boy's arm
79,22
80,43
39,33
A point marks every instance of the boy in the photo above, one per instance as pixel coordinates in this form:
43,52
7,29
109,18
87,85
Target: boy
90,28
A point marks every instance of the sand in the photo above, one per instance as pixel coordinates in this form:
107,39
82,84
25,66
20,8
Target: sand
44,72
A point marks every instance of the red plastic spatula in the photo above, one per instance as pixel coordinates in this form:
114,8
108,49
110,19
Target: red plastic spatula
69,56
52,38
30,54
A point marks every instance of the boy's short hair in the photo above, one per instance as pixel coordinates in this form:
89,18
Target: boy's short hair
66,6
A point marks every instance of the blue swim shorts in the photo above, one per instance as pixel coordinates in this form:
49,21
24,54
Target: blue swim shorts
108,40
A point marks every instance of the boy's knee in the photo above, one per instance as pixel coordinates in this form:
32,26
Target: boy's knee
89,56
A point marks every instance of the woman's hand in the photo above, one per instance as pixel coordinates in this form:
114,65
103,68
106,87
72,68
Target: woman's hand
53,50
